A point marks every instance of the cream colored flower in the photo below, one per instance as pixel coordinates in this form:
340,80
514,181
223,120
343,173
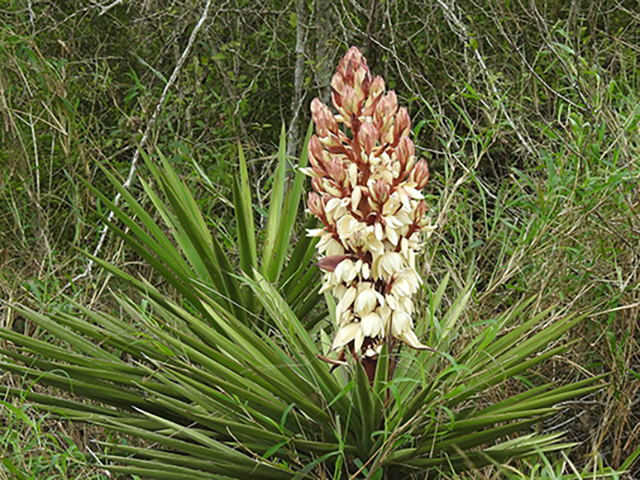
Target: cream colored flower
367,194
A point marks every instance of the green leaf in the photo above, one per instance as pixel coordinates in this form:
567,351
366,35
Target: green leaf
272,242
290,211
244,218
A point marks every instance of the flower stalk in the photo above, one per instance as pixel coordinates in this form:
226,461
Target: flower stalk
367,195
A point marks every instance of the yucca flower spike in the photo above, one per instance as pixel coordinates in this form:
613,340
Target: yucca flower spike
367,186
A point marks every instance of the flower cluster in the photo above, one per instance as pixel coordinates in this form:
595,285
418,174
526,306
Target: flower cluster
367,195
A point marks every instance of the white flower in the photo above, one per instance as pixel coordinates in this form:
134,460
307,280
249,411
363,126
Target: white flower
316,232
386,265
353,175
346,301
345,272
372,326
336,208
348,226
406,282
356,196
344,335
410,338
392,235
400,323
367,300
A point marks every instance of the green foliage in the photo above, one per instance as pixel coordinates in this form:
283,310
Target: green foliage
33,450
534,170
204,374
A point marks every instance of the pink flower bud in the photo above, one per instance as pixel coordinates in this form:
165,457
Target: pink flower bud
316,183
349,101
385,111
377,86
323,118
336,98
361,83
380,191
315,153
366,84
350,63
420,174
337,82
336,171
315,204
368,136
402,124
419,211
405,151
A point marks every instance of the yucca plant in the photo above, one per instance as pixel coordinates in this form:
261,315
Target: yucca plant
229,377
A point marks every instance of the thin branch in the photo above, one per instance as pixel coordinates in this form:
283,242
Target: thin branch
104,9
298,78
460,29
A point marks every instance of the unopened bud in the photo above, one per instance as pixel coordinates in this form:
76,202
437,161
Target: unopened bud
365,85
379,191
330,187
352,62
405,151
368,136
332,143
402,124
385,111
336,98
420,210
377,86
336,171
362,81
337,82
349,101
315,204
420,174
323,118
315,152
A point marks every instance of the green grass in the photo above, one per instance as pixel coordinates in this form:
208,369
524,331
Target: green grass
35,446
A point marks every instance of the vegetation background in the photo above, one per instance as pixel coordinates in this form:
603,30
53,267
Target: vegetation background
527,111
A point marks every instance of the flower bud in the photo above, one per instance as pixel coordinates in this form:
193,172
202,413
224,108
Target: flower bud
402,123
336,98
323,118
337,82
368,136
379,192
419,211
385,111
405,151
363,91
315,204
377,86
315,153
350,63
316,183
336,171
330,187
420,174
349,101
